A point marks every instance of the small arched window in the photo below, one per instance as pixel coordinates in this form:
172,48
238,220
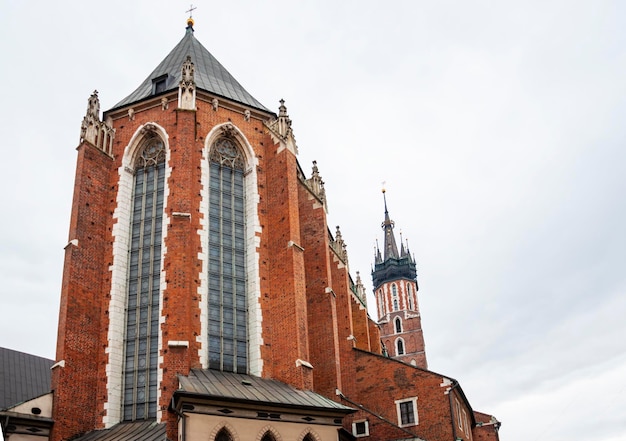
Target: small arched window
268,437
224,435
409,294
398,325
399,346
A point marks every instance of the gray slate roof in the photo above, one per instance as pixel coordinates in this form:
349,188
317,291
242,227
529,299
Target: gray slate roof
22,377
135,431
209,74
240,387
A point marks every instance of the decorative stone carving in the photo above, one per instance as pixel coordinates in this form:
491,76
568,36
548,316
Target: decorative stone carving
187,86
316,184
246,115
361,292
339,247
215,104
95,132
131,114
228,130
280,130
153,149
225,152
164,104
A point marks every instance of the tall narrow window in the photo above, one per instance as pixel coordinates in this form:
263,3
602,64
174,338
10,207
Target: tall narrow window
398,325
409,294
394,296
142,313
227,327
399,347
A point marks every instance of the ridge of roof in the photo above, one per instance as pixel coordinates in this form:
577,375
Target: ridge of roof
210,75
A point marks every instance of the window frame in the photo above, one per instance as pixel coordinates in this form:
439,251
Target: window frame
365,425
413,402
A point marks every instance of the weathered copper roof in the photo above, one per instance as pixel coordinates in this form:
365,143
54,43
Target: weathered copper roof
135,431
247,388
22,377
210,75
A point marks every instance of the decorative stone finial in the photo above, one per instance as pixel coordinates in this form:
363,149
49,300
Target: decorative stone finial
97,133
187,86
316,184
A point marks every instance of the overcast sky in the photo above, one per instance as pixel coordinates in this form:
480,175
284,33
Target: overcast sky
498,127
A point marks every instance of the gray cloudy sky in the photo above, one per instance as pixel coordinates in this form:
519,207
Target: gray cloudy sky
498,128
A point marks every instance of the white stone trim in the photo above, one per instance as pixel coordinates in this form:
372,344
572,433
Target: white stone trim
119,274
253,241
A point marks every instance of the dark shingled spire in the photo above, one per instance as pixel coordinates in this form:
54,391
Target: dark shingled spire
391,249
210,75
392,264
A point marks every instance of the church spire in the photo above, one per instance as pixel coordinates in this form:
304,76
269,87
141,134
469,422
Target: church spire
391,248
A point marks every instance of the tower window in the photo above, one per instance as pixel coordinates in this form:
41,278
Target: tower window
409,294
400,346
398,325
394,296
407,412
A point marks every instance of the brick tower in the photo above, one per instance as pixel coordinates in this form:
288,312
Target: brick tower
395,288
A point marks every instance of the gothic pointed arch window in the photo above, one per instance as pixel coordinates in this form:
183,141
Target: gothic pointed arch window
223,435
143,281
398,325
409,294
399,347
268,437
227,304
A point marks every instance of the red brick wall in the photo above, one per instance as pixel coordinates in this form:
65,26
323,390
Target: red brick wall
389,380
81,319
321,306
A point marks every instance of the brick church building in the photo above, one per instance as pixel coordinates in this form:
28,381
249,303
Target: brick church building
204,296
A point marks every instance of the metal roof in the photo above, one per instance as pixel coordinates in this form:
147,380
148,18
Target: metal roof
209,75
22,377
240,387
134,431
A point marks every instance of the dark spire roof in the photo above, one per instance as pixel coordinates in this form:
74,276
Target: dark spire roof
210,75
391,249
392,264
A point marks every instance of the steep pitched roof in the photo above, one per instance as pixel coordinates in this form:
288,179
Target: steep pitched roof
248,388
210,75
22,377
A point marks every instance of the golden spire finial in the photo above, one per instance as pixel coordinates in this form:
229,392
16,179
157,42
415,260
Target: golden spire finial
190,21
